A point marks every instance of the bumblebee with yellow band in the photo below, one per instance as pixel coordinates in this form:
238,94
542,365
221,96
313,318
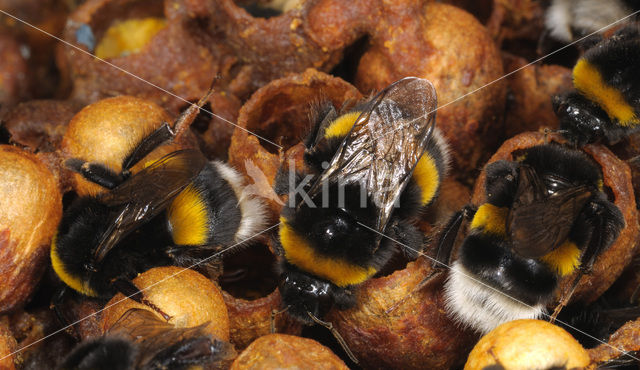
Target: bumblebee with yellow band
606,102
178,210
375,166
546,216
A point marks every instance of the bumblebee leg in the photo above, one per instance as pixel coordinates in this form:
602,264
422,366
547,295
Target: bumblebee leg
129,290
565,298
272,321
147,145
444,251
605,221
56,304
337,335
189,115
96,173
448,236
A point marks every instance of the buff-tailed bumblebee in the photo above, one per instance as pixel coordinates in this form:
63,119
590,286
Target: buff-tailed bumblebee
605,104
371,169
546,216
178,210
139,340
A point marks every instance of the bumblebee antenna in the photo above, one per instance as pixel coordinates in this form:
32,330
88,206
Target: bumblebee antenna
337,335
274,313
187,117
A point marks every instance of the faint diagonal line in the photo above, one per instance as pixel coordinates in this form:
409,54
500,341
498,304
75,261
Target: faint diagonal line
624,353
135,76
141,290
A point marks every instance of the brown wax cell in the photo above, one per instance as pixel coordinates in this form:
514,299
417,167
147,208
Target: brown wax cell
308,34
449,47
279,112
37,348
625,339
38,125
617,178
13,72
156,41
188,297
531,344
251,319
30,209
277,351
214,131
399,324
8,345
530,91
37,47
249,288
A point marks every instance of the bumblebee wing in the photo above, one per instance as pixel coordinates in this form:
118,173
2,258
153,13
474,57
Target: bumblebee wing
538,228
138,324
146,194
385,144
161,343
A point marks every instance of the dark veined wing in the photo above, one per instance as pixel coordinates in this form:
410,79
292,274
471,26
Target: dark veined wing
538,223
146,194
385,144
162,345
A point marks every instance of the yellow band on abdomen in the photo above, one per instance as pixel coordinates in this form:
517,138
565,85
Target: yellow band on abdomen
588,80
300,253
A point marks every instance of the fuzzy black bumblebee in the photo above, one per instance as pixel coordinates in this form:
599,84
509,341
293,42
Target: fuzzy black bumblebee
606,102
546,216
178,210
139,340
367,176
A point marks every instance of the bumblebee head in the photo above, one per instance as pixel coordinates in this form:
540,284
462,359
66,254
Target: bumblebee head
304,294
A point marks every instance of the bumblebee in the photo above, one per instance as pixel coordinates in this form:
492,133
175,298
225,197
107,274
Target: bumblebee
605,104
371,169
568,20
138,340
176,211
545,217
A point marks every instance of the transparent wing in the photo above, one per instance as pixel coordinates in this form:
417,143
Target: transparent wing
385,144
146,194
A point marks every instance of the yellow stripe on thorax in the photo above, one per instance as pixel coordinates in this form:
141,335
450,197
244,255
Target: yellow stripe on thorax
342,125
427,176
188,218
565,259
491,218
588,80
298,252
75,282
